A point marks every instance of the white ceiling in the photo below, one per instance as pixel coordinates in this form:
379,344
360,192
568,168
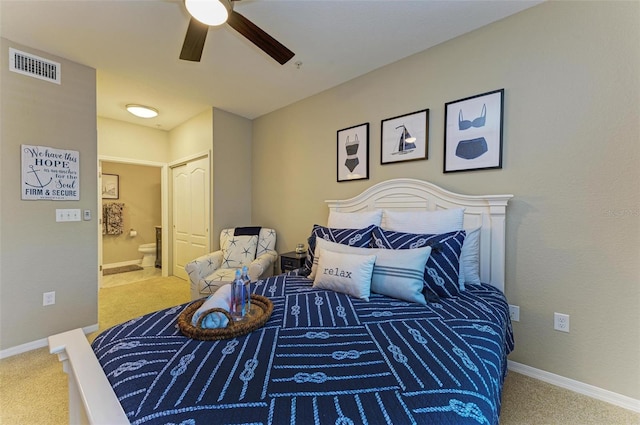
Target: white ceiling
134,46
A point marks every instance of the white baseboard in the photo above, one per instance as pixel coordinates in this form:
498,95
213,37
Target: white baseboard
576,386
34,345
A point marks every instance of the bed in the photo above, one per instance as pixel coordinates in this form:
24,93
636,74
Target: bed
324,356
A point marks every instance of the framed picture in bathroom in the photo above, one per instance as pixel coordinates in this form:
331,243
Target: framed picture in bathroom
110,186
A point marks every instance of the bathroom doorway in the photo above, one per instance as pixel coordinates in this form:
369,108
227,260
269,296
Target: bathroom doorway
137,217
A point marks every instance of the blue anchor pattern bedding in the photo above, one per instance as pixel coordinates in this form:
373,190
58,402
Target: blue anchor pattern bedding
322,358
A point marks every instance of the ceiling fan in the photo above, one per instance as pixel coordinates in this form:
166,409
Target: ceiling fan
205,13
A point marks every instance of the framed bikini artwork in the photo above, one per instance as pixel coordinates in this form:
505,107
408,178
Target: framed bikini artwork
405,138
473,132
353,153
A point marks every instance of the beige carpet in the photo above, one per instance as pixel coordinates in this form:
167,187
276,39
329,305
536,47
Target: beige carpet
528,401
33,388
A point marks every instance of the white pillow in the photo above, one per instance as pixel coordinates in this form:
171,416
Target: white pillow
426,222
346,273
470,259
354,220
398,273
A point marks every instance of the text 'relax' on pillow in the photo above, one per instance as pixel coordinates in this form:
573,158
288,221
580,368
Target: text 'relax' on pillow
346,273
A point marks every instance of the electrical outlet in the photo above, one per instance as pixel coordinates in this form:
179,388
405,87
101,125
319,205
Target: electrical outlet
561,322
514,313
48,298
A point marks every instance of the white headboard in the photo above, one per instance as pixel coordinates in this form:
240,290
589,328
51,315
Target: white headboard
488,211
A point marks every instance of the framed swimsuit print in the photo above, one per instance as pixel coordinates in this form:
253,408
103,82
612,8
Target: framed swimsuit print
353,153
473,132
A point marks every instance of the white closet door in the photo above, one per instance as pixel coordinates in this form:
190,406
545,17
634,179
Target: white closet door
190,213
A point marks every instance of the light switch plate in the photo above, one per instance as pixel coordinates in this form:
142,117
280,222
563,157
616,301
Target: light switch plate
67,215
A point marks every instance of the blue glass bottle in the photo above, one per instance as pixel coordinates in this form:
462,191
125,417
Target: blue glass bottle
247,289
238,297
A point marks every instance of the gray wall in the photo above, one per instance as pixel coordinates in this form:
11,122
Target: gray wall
228,139
37,254
232,173
571,74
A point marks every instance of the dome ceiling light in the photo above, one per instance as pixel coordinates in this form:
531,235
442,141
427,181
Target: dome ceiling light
142,111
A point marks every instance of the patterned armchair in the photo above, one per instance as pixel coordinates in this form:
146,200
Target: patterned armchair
253,247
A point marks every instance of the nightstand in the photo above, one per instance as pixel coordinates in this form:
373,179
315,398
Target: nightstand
291,261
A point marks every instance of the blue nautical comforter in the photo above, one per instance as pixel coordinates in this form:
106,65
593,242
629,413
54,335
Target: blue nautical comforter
322,358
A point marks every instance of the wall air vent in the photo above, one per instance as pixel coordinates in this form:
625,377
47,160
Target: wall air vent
34,66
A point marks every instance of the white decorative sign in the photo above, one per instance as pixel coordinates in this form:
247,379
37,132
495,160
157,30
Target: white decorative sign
49,173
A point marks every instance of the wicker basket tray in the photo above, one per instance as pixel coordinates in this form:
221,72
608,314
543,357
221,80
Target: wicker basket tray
261,309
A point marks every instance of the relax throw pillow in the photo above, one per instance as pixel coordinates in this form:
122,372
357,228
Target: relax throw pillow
346,273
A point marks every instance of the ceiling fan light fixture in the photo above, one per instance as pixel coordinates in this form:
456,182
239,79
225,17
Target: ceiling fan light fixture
142,111
209,12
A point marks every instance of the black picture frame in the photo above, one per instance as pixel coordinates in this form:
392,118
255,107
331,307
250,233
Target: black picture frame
473,132
405,138
352,146
110,186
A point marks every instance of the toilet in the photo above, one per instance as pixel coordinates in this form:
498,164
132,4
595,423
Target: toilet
149,254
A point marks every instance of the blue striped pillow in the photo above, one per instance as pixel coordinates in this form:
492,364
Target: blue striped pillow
353,237
442,270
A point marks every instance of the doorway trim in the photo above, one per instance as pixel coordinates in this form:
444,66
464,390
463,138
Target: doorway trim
164,206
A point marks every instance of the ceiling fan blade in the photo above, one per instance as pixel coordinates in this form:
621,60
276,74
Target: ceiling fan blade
264,41
194,41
